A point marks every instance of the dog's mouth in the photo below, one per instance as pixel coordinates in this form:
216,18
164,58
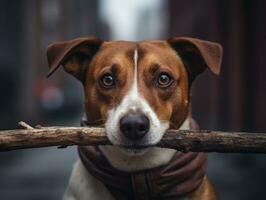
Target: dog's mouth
135,148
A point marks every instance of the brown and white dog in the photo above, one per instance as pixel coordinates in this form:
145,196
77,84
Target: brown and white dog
137,90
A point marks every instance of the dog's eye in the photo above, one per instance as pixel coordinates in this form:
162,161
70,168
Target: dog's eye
107,81
164,80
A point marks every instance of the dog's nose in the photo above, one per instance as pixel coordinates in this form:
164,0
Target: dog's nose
134,126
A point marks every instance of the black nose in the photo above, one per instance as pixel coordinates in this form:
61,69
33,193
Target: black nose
134,126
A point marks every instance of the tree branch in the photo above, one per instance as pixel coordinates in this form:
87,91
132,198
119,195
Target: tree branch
182,140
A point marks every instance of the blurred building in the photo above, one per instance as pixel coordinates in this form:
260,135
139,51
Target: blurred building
235,100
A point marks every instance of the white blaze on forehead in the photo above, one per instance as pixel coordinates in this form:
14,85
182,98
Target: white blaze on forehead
133,94
134,101
135,65
134,88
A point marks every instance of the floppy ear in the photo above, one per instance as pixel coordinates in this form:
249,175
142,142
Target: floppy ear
197,55
74,55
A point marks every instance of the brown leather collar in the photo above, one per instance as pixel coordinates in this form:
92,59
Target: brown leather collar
181,176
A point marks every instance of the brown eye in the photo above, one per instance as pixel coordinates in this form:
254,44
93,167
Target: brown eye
107,81
164,80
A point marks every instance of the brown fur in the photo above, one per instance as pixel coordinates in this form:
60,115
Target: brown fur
170,104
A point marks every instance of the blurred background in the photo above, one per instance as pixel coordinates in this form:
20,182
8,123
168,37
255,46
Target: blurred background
234,101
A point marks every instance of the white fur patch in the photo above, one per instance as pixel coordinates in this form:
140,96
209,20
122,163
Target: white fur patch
134,101
153,157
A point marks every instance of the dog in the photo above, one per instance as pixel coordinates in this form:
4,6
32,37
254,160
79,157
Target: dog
137,90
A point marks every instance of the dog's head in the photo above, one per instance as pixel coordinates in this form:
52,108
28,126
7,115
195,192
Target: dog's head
136,89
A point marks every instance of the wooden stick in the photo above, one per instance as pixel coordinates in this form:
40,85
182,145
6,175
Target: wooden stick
24,125
197,141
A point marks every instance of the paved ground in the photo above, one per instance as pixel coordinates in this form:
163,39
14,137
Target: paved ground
35,174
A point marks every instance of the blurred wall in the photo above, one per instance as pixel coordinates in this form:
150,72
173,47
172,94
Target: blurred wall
26,29
10,60
236,99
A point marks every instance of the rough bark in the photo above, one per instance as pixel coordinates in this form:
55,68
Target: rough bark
182,140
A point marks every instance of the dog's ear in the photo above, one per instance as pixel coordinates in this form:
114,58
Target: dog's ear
74,55
197,55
